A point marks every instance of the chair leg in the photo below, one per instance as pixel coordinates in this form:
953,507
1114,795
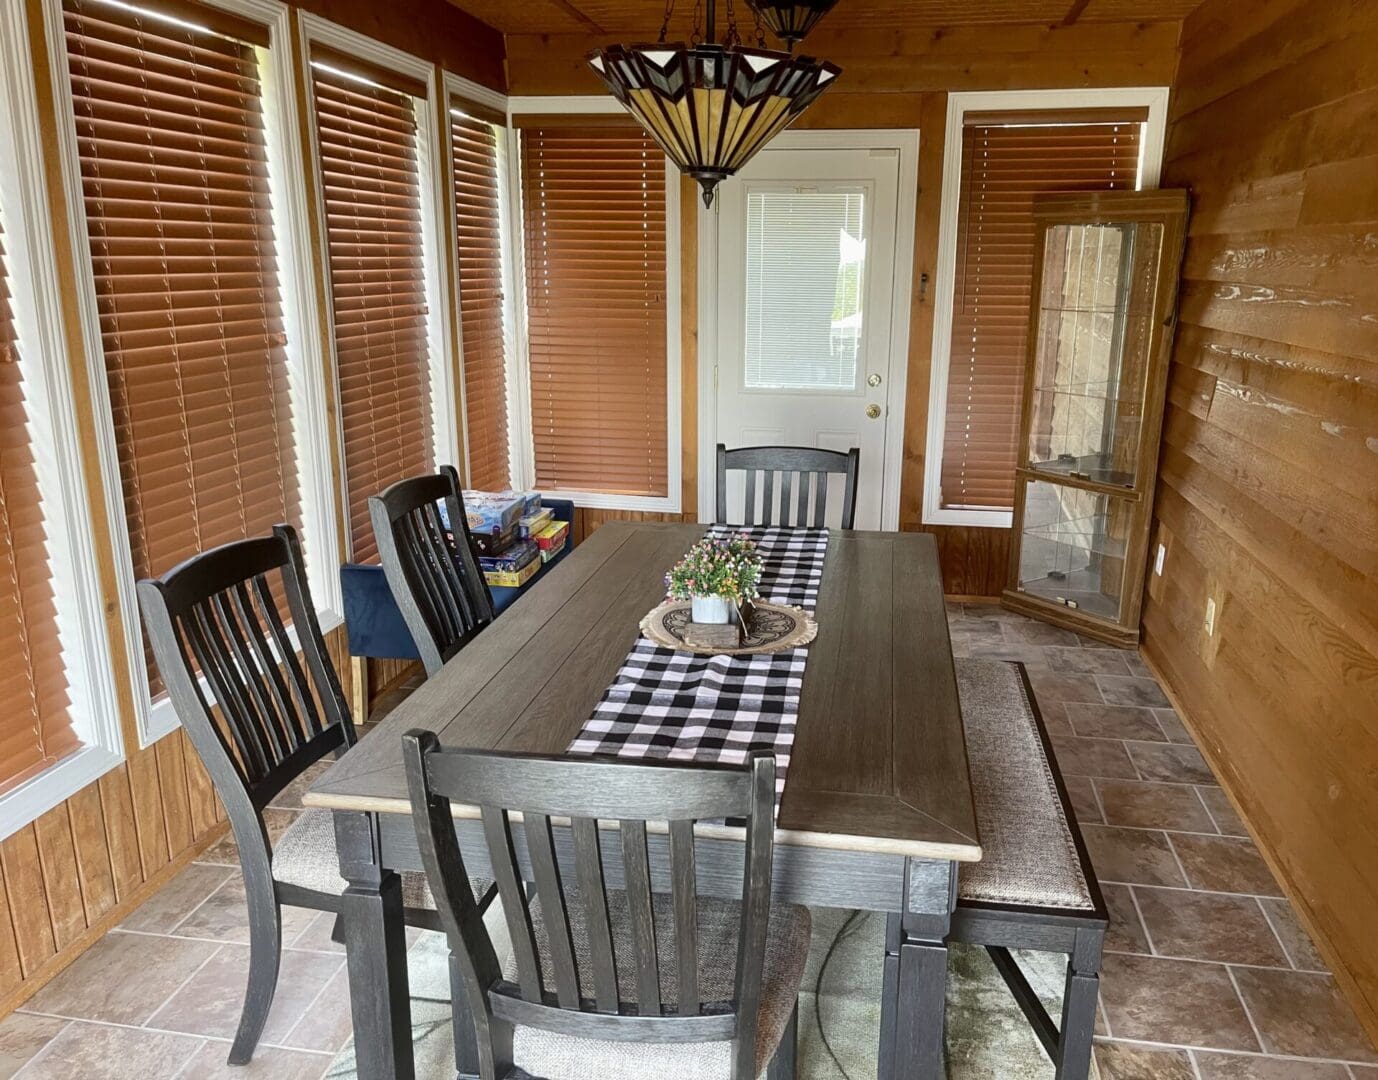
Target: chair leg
265,956
462,1024
782,1065
337,931
1079,999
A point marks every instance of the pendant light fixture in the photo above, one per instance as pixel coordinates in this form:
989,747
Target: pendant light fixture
791,22
711,106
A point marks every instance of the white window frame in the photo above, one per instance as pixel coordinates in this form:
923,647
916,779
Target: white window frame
521,355
1155,98
431,152
321,539
31,262
455,86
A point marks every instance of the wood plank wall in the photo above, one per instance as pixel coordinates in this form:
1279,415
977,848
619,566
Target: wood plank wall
1268,493
901,79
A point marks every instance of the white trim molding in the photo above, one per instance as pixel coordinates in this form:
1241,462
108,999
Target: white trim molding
31,259
1155,98
154,719
904,142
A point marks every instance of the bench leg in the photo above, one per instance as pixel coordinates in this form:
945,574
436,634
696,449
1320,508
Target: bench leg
1079,1000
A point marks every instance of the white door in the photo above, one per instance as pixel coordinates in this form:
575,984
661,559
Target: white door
806,257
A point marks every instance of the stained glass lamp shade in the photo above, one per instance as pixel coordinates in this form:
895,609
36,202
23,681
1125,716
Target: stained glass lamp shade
711,107
791,22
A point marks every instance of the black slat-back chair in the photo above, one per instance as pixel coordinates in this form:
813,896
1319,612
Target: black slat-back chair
432,572
627,982
802,469
278,714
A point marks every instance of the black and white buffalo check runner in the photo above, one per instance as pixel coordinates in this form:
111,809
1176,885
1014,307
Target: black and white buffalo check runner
689,707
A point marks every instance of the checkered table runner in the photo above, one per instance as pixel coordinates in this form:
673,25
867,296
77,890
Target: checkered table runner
686,706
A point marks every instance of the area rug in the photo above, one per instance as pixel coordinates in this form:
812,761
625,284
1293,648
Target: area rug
839,1013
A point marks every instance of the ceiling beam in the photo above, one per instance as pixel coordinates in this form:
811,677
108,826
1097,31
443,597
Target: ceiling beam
568,6
1074,12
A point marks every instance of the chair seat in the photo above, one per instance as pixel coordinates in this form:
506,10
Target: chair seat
564,1057
1029,856
306,856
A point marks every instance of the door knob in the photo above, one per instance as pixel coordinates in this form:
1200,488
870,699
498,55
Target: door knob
873,380
873,411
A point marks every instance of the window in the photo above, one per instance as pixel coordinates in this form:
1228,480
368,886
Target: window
1004,158
366,124
805,262
174,168
478,152
60,727
595,207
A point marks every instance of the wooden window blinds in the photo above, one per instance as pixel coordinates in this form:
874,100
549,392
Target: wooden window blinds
1007,159
594,215
477,155
37,729
371,179
174,167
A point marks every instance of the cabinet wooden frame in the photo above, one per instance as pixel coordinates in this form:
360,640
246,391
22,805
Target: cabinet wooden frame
1167,209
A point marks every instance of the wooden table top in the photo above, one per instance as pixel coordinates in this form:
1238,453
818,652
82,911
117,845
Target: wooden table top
879,757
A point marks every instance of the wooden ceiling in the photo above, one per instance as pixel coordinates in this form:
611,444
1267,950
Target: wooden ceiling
643,17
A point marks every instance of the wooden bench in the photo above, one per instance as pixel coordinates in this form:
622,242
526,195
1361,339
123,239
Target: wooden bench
1034,887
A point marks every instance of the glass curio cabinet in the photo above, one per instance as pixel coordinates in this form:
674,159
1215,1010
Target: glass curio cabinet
1100,336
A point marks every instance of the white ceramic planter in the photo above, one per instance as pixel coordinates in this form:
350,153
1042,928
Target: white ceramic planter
713,609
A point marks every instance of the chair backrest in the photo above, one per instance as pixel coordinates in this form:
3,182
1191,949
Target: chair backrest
432,571
804,471
577,992
215,626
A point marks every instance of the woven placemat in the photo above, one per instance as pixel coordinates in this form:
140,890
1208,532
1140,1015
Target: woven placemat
771,628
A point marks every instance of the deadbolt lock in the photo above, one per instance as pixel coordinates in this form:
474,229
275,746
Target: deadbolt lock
873,380
873,411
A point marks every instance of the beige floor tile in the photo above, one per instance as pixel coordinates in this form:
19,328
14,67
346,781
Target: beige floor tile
1062,686
1209,926
1300,950
224,916
1253,1067
1303,1014
1222,810
1174,1001
327,1025
1224,864
1132,690
1087,661
1126,930
1124,1061
123,978
1132,856
1093,757
1114,722
1153,806
22,1036
1082,793
211,1002
226,853
1173,728
99,1052
1170,763
177,899
269,1063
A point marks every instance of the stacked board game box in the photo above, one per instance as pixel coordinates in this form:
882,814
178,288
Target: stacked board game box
551,539
514,567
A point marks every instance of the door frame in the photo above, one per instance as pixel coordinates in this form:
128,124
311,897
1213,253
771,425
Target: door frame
905,141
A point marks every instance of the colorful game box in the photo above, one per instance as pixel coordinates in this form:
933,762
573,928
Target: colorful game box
513,568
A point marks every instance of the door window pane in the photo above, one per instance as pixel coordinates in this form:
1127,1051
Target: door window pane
805,280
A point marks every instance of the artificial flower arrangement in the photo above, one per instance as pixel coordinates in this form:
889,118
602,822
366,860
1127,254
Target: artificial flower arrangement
718,576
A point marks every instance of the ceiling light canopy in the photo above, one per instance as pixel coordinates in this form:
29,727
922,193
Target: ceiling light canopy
710,106
791,22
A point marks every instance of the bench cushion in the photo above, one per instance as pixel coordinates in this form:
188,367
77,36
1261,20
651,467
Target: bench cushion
1029,857
306,856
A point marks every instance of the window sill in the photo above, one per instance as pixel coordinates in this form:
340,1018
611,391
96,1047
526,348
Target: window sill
597,500
53,786
981,519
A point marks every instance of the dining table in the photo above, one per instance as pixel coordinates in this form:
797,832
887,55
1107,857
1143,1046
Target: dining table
876,812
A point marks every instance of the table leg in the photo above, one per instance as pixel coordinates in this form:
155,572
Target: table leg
376,952
913,1003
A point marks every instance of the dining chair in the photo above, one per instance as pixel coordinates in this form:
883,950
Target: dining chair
803,470
431,570
219,639
1034,887
611,983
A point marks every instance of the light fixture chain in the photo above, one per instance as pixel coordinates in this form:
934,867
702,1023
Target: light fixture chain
696,37
732,37
761,30
665,26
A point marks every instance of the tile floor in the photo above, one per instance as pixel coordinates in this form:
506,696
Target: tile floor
1208,975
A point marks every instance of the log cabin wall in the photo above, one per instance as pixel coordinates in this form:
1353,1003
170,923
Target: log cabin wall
1268,493
896,79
